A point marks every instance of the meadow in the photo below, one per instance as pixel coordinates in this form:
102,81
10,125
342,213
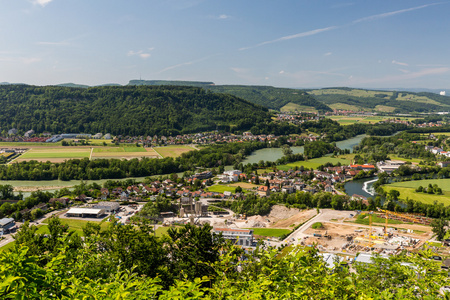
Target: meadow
296,107
407,190
315,162
58,154
220,188
173,150
270,232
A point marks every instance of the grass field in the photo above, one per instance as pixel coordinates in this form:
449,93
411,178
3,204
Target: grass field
343,106
55,154
244,185
412,160
74,224
270,232
348,120
173,150
384,108
407,189
119,149
220,188
315,162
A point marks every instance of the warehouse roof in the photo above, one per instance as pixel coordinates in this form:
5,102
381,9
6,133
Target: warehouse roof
87,211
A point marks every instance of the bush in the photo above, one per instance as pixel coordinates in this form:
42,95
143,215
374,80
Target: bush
317,225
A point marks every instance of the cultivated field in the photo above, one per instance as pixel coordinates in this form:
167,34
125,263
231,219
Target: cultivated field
173,150
58,154
123,152
348,120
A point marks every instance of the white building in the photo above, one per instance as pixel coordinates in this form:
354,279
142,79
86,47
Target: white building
85,212
240,237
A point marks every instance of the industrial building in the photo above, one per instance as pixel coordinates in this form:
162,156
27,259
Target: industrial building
85,212
240,237
108,206
6,224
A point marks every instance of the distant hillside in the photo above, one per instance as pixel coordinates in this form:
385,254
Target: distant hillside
267,96
171,82
381,101
272,97
73,85
127,110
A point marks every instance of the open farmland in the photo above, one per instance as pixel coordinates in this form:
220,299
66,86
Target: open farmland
173,150
407,189
58,154
123,152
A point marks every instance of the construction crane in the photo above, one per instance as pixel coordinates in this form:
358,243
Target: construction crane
414,219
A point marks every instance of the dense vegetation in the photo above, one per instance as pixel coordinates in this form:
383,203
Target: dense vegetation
128,110
400,101
126,262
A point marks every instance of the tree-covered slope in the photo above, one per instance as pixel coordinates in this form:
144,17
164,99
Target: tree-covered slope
271,97
267,96
127,110
372,100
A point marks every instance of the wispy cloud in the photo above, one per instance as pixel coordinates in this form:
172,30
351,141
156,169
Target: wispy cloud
41,2
140,53
21,59
188,63
399,63
290,37
406,76
321,30
392,13
328,53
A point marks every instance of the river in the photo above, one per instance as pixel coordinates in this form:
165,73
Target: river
273,154
363,187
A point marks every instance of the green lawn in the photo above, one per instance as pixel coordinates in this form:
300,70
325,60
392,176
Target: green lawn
270,232
444,184
315,162
163,230
62,152
364,220
407,190
7,246
220,188
119,149
74,224
413,160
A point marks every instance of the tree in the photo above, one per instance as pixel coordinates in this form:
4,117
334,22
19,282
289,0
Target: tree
286,150
439,228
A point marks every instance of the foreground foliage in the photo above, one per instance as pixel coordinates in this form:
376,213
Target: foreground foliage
127,262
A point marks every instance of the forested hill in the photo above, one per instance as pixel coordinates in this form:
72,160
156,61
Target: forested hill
272,97
268,96
381,101
126,110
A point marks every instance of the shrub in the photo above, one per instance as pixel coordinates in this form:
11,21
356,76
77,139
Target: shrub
317,225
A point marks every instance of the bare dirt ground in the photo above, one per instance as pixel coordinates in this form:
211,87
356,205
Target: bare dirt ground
36,188
288,218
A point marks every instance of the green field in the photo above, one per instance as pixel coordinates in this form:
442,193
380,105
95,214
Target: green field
173,150
220,188
412,160
60,153
269,232
119,149
407,189
315,162
74,224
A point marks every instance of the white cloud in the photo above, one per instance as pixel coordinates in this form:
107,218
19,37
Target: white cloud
399,63
140,53
328,53
404,71
223,17
393,79
41,2
290,37
281,72
392,13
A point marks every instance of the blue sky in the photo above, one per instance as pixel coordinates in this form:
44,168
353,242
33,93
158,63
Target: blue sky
285,43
